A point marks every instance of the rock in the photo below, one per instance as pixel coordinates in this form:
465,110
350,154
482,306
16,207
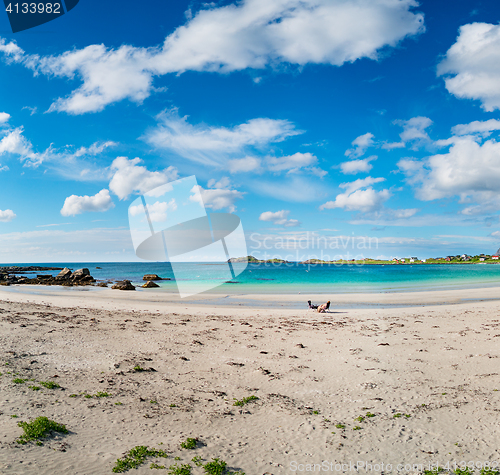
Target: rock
102,284
80,273
64,274
151,277
42,277
123,285
149,285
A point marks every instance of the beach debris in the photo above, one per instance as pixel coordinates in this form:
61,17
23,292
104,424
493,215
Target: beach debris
123,285
149,285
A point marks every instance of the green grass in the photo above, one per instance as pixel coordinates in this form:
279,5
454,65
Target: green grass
198,461
489,471
102,394
15,416
215,467
118,403
49,384
244,401
136,457
19,381
315,412
464,471
153,401
397,415
88,396
39,428
340,426
138,368
155,465
35,388
357,428
73,395
175,469
370,414
189,444
360,419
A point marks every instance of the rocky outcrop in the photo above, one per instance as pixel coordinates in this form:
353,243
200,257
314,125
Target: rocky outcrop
149,285
152,277
64,274
123,285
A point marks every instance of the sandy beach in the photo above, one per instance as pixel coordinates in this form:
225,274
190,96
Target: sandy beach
410,380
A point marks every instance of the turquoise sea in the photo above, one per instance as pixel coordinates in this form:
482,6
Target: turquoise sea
293,278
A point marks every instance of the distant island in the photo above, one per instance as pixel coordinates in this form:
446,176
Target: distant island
458,259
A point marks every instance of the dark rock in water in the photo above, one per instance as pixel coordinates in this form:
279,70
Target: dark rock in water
98,267
64,274
232,282
78,274
41,277
102,284
151,277
123,285
149,285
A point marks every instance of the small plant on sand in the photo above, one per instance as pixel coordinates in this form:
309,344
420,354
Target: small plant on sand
198,461
155,465
138,368
14,416
87,396
434,471
136,457
49,384
73,395
153,401
19,381
360,419
244,401
189,444
370,414
464,471
118,403
357,428
102,394
340,426
39,428
172,405
489,471
397,415
184,469
215,467
35,388
316,412
407,416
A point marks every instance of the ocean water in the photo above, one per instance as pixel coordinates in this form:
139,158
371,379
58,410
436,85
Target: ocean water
293,278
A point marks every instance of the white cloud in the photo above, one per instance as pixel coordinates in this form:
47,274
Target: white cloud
95,149
469,170
484,128
249,34
279,218
243,165
413,132
213,145
357,166
290,162
157,211
129,177
219,197
15,143
4,168
357,199
4,117
7,215
360,143
472,65
81,204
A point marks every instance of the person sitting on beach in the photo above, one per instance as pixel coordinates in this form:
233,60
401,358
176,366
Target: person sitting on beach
323,308
311,306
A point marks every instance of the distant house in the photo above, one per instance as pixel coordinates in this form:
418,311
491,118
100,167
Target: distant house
494,258
448,258
423,260
413,259
403,261
395,259
481,259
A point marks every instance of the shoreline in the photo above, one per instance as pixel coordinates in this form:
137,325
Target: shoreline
148,299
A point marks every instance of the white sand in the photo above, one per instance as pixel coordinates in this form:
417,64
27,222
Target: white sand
342,364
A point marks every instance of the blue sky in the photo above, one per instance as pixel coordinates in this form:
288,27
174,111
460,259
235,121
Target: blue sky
359,119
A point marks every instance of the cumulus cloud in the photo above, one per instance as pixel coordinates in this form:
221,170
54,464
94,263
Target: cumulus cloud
7,215
360,143
469,170
279,218
290,162
81,204
213,145
357,166
472,65
218,195
357,199
4,117
413,133
95,149
157,211
130,177
15,143
249,34
483,128
244,165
